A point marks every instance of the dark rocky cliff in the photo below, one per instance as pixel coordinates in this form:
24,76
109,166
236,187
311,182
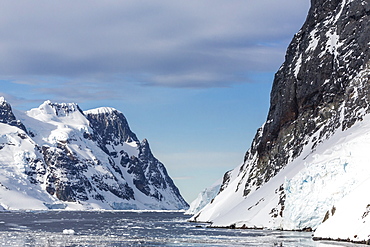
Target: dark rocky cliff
7,116
323,85
111,127
148,174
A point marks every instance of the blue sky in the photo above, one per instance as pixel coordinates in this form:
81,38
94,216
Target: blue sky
193,77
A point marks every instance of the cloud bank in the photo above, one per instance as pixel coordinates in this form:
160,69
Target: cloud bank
151,43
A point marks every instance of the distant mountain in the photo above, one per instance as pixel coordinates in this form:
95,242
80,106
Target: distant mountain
204,197
58,157
309,161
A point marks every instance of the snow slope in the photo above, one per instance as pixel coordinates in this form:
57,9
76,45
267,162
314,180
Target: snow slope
332,175
16,190
349,218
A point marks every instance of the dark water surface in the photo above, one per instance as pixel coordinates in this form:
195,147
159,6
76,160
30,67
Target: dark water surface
127,228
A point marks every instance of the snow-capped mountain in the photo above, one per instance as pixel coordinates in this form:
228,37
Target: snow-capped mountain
310,158
57,156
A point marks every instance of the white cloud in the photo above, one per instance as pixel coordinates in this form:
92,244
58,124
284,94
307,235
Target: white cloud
159,43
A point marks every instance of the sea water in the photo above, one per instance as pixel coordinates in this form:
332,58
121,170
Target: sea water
134,228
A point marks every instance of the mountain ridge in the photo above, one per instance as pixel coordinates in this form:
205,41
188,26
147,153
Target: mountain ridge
79,160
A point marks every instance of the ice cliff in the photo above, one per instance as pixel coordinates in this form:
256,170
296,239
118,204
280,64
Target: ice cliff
309,160
58,157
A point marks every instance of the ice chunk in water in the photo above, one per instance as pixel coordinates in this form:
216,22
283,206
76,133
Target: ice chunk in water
68,231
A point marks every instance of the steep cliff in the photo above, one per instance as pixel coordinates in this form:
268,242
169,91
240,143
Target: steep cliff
316,86
320,91
57,156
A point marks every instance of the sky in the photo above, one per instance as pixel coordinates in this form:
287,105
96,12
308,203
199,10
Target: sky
193,77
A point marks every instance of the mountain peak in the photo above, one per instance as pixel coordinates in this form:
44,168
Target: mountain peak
79,161
7,115
59,109
102,110
111,124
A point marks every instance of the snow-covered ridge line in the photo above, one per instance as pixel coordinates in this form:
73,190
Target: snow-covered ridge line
57,157
66,107
101,110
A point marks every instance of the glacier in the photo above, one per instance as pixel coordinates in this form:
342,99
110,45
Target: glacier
204,197
57,156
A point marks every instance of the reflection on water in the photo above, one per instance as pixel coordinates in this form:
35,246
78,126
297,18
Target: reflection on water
127,228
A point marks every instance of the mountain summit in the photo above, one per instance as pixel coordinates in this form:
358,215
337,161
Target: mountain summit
58,157
311,152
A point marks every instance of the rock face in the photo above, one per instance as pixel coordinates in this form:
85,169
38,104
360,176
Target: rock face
321,89
7,116
315,86
57,156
